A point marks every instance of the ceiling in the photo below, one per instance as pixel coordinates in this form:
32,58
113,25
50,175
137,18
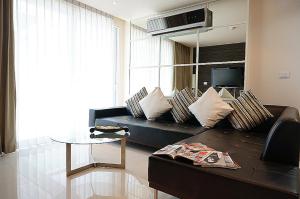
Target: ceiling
229,17
217,36
132,9
229,25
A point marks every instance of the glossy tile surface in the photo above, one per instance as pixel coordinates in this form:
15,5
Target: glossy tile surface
39,172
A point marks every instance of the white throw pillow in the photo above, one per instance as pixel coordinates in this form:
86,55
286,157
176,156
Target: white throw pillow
225,95
155,104
209,109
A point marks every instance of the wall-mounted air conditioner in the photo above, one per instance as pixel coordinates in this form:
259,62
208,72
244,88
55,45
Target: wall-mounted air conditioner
180,20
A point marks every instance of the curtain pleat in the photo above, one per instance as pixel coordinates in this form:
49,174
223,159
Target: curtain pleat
7,79
150,51
183,75
65,64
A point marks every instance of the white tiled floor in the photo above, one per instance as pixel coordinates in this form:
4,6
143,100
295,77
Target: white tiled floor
39,173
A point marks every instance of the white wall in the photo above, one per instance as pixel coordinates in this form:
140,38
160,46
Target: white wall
273,46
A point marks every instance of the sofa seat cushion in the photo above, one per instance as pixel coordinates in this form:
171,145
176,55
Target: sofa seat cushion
153,133
167,126
254,178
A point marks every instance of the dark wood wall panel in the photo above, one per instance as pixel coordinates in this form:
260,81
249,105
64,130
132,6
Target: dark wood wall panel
228,52
220,53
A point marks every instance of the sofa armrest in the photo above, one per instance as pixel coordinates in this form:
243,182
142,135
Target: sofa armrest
108,112
282,144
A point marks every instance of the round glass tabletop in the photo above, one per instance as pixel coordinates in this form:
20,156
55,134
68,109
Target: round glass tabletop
84,138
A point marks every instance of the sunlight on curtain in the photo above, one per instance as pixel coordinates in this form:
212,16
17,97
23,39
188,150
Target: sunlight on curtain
146,51
65,64
144,48
167,73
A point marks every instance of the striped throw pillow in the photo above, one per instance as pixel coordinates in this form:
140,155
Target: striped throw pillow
133,103
248,112
199,93
180,102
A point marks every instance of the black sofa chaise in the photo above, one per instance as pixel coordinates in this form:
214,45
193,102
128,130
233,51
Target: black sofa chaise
268,155
255,179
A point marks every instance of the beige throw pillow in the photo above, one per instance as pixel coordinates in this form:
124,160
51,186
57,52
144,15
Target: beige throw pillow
209,109
155,104
226,95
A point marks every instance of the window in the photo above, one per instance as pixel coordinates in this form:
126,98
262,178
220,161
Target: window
148,54
65,64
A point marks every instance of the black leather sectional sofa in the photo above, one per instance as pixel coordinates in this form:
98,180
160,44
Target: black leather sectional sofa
268,155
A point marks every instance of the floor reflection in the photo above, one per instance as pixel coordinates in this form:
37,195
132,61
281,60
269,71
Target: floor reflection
40,173
107,183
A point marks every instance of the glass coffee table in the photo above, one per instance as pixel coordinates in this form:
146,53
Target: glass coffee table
83,139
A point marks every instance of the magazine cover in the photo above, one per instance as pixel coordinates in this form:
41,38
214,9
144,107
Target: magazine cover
217,159
197,147
200,154
169,150
193,151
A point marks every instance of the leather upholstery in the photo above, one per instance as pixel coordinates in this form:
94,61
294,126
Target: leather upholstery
276,141
282,130
155,134
109,112
256,178
267,125
282,144
275,109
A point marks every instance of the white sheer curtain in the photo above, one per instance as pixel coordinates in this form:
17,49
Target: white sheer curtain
144,52
149,51
167,73
144,48
65,64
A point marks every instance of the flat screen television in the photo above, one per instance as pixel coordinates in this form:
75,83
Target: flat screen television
227,77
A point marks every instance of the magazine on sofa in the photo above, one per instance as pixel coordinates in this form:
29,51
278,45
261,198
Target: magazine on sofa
200,154
217,159
194,151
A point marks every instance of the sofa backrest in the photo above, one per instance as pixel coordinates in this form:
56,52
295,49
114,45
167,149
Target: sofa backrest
266,126
276,110
263,128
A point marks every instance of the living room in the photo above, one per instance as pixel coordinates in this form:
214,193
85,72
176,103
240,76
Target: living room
98,97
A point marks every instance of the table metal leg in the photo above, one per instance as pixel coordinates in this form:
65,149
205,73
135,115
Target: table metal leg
123,153
70,171
68,158
155,194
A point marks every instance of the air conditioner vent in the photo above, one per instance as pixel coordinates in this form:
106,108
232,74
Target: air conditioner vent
180,21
